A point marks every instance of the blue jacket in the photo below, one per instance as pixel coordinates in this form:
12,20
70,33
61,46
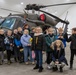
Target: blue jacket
25,40
63,40
17,42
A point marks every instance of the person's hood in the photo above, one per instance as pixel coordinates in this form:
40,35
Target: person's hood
54,44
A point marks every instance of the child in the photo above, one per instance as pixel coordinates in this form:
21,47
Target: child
49,39
58,55
25,40
26,26
2,46
18,44
32,32
72,39
38,45
61,36
9,45
16,51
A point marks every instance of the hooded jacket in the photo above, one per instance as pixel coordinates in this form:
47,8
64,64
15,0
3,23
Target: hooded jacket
58,55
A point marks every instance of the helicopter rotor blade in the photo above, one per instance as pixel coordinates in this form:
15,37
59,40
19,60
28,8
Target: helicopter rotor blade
60,4
37,7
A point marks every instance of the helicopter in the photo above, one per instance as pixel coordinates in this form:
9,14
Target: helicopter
13,21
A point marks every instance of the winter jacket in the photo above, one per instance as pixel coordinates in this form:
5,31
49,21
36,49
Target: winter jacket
2,45
60,56
38,42
49,39
72,39
19,34
17,41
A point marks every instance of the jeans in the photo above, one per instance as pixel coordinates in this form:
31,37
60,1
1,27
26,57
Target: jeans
27,50
39,57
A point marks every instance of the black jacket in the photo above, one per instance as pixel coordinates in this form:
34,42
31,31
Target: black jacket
32,34
72,39
2,45
38,42
18,36
59,55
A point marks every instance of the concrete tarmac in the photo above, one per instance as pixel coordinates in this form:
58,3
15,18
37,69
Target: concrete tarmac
22,69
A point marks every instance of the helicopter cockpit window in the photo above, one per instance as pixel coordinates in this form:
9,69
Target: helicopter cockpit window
9,23
1,20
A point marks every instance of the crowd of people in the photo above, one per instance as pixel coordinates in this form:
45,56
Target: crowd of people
28,46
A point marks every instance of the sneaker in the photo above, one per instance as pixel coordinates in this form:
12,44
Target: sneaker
61,69
40,69
16,60
36,67
11,61
20,61
71,68
33,63
8,62
26,63
1,63
55,68
49,67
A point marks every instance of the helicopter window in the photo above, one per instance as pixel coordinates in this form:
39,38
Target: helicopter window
9,23
1,20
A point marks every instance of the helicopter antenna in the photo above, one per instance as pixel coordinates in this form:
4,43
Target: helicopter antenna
24,11
66,25
65,19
